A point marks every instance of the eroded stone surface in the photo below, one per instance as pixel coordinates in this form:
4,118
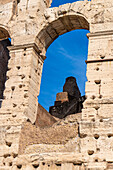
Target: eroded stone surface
60,133
32,27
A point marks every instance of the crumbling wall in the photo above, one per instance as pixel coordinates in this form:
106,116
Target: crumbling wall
60,137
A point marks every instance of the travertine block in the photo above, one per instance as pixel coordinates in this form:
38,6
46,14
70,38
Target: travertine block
106,111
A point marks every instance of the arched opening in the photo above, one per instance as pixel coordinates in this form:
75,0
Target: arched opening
60,26
4,57
4,34
65,58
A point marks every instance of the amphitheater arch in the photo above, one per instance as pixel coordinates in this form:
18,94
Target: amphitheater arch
4,33
59,26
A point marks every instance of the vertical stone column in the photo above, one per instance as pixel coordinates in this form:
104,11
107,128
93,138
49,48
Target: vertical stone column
20,96
99,90
23,84
96,128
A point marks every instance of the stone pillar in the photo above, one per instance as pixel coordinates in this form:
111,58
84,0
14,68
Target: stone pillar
99,89
96,128
24,77
20,96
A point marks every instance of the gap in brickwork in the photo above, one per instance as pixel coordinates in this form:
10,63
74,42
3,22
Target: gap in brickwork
65,57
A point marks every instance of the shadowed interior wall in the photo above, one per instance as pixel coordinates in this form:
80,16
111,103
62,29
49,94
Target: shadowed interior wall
4,57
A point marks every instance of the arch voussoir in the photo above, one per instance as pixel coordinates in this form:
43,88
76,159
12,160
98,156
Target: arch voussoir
58,27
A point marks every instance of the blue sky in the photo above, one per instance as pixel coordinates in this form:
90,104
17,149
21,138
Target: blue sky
65,57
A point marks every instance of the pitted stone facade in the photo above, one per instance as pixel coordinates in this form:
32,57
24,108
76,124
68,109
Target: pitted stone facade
83,141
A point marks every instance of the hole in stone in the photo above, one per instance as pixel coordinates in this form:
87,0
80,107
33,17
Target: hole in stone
25,95
97,81
101,120
26,90
10,163
19,166
100,97
8,144
24,54
4,163
83,135
23,76
58,164
93,120
96,160
48,165
102,57
35,165
14,155
24,49
98,149
35,71
14,105
7,155
93,97
90,152
96,136
77,163
29,76
18,67
13,88
14,115
43,163
97,69
110,135
96,107
28,120
20,86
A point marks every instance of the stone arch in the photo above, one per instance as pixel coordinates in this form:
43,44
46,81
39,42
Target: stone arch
59,26
4,33
64,22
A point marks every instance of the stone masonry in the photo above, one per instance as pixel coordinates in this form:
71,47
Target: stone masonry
78,142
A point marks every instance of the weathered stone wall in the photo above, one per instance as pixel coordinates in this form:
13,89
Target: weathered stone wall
32,28
60,137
